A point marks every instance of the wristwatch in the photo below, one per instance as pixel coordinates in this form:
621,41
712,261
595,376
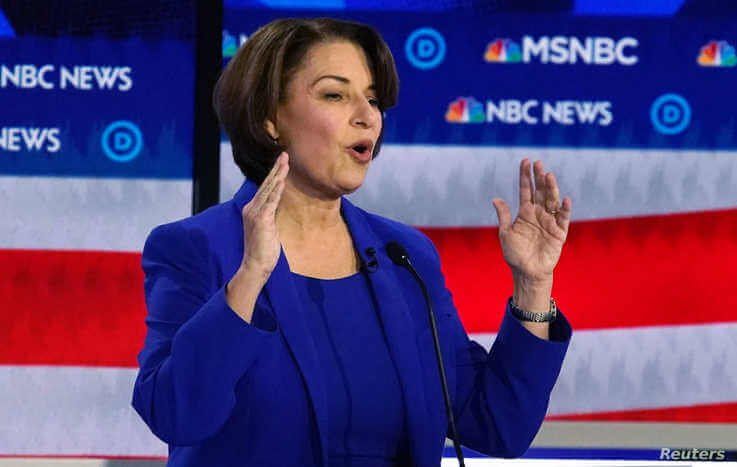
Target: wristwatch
524,315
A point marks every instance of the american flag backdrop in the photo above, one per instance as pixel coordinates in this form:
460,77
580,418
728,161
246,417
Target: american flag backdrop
651,362
96,125
647,276
72,307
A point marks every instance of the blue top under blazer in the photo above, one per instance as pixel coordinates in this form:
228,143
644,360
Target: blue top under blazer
223,392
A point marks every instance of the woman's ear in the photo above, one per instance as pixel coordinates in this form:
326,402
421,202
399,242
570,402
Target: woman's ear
271,129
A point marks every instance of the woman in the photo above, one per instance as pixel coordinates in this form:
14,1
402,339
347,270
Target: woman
280,332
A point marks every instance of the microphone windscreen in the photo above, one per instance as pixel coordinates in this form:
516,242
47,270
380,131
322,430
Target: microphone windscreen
397,253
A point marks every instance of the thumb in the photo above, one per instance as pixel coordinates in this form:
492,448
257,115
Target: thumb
502,213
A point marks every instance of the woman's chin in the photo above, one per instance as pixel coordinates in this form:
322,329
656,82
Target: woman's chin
348,189
350,184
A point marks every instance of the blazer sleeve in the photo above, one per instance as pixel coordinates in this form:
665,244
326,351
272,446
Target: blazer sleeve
196,347
502,396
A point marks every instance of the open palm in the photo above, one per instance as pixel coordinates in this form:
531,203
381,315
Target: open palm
532,244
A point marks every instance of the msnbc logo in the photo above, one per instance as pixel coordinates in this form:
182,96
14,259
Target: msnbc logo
717,54
503,51
465,110
564,50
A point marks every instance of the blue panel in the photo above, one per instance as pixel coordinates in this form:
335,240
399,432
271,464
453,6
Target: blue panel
96,107
6,29
564,81
316,4
627,7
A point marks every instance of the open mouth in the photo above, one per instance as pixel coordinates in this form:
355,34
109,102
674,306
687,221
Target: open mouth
361,149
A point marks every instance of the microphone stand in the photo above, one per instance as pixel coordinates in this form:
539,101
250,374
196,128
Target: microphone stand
399,256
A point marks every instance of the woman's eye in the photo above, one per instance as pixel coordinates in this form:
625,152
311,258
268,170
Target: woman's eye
374,102
333,96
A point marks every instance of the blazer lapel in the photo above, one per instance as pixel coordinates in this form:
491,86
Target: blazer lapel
394,316
282,295
399,330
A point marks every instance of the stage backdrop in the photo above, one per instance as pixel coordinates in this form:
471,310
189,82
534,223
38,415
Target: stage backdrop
635,115
96,128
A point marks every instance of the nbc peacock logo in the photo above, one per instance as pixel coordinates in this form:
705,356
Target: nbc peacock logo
717,54
465,110
230,47
503,51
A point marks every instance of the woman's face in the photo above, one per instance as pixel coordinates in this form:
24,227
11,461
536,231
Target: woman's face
330,121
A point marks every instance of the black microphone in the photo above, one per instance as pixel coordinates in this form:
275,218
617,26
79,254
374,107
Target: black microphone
400,257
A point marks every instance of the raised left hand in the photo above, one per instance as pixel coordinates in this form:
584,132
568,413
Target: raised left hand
532,244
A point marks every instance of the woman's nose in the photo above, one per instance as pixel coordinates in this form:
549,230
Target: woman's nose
365,116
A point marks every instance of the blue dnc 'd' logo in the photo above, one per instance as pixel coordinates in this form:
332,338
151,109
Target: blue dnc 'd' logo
122,141
670,114
425,48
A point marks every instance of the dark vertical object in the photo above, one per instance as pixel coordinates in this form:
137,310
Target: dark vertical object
708,9
206,144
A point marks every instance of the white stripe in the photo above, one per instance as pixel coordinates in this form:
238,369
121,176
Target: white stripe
56,463
645,368
72,411
86,410
634,435
71,462
87,213
453,185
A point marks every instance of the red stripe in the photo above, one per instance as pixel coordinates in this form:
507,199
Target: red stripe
71,307
665,270
87,308
708,413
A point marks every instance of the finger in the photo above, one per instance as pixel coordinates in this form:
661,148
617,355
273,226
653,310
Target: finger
552,200
563,219
540,186
267,183
503,213
272,204
550,226
525,182
263,192
279,178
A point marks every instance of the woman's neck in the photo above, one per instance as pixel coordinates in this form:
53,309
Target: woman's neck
304,214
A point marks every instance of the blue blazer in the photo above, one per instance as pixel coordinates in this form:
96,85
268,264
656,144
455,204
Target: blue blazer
223,392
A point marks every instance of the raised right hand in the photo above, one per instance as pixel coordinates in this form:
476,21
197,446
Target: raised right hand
262,247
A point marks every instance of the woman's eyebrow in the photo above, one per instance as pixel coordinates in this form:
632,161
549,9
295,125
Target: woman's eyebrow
342,79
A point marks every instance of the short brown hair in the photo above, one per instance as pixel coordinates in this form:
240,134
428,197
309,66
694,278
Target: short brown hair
255,81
